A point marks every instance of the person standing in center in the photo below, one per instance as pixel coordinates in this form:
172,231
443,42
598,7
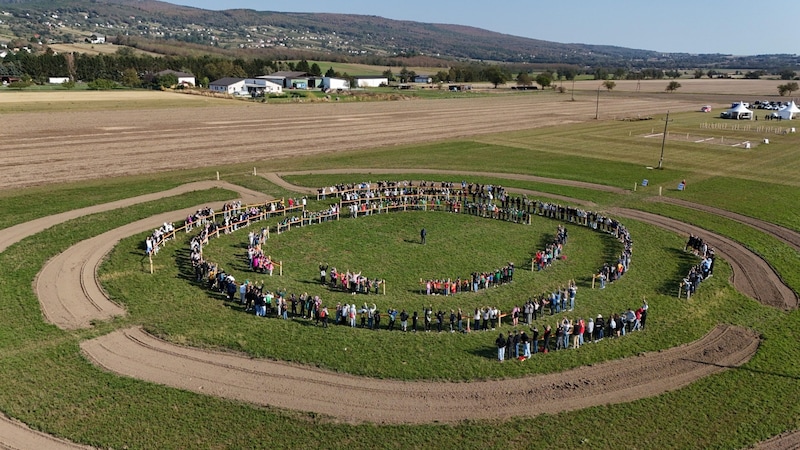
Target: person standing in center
422,235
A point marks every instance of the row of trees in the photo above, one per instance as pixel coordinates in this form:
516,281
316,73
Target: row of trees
131,69
136,70
657,74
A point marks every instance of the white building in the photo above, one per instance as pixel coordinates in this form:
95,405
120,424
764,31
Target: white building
262,86
334,83
370,81
57,80
289,80
229,85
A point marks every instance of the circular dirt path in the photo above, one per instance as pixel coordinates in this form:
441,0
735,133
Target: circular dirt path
133,353
16,233
69,293
752,275
15,435
723,347
783,441
790,237
277,178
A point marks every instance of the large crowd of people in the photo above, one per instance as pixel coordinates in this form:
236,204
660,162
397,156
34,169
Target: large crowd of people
564,334
487,200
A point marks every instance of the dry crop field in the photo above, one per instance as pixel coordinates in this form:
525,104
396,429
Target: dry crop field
70,143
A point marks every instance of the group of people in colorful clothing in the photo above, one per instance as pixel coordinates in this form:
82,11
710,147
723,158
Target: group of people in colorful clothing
570,333
352,282
475,282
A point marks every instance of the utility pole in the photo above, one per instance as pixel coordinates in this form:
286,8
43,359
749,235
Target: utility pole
573,88
663,141
597,107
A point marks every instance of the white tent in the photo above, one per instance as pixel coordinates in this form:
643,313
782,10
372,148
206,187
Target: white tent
738,112
789,111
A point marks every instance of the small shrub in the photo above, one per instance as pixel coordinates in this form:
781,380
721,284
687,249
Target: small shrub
102,84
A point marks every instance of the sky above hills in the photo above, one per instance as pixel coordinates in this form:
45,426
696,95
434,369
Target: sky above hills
735,27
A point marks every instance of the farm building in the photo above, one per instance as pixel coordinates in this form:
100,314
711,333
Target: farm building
370,81
333,83
460,87
289,80
228,85
261,86
423,79
184,78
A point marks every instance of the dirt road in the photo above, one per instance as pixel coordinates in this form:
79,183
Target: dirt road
133,353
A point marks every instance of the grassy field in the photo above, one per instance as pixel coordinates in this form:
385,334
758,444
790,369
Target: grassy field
47,384
97,49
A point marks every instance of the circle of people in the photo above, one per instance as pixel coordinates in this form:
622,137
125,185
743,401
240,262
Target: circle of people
262,302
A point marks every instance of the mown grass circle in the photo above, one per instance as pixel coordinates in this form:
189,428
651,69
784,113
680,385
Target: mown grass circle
380,244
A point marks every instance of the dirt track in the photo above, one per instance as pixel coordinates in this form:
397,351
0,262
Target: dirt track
67,286
785,441
132,353
136,354
131,360
751,275
790,237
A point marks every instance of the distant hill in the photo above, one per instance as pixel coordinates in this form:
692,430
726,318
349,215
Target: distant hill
359,37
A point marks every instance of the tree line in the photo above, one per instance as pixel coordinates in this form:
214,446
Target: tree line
132,69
